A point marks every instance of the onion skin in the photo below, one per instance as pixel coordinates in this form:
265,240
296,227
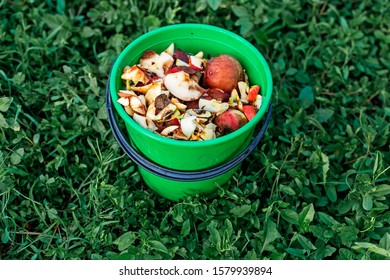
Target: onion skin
223,72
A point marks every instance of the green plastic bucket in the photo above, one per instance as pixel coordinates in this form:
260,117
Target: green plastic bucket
173,168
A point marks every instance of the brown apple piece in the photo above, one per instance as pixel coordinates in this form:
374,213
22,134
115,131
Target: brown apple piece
218,94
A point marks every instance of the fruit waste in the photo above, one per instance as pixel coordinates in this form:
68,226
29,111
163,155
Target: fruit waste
188,97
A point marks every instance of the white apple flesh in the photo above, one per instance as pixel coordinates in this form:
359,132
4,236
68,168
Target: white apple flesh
182,86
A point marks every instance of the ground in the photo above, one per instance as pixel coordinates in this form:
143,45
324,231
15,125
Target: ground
316,187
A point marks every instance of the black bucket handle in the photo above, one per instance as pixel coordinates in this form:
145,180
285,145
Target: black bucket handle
178,175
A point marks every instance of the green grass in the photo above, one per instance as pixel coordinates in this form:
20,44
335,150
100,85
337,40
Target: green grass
317,187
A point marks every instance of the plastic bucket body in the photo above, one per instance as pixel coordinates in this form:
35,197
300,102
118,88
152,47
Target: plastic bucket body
190,155
176,190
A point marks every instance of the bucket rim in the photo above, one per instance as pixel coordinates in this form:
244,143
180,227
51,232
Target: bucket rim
267,95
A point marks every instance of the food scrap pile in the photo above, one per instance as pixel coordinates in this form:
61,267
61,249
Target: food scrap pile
188,97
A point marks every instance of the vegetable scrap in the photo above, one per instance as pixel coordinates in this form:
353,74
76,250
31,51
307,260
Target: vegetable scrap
188,97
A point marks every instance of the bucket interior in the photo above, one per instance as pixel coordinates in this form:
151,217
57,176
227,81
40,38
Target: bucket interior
192,38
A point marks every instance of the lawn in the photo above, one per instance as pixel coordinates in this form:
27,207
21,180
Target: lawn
316,187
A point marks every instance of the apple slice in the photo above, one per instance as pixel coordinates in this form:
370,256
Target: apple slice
180,62
123,101
252,93
153,92
249,111
234,100
182,86
169,130
258,101
141,120
213,106
137,105
208,132
171,49
126,93
157,64
180,106
196,62
135,75
243,89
